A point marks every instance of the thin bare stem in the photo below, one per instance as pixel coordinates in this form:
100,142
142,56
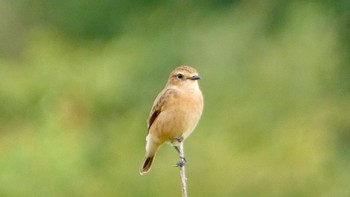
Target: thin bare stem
183,172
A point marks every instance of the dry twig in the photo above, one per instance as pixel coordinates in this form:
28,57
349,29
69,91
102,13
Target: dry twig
183,172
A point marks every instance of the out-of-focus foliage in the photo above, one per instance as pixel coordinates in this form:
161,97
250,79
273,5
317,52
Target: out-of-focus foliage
78,78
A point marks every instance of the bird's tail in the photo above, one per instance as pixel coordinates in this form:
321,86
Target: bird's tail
151,149
147,164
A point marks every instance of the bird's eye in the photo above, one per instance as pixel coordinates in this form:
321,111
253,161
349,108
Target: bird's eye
179,76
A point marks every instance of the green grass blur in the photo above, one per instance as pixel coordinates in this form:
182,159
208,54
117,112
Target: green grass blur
78,78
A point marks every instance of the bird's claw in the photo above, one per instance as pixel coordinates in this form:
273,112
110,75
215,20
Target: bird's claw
179,139
181,162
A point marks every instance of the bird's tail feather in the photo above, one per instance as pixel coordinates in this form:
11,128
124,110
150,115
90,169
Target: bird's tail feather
147,164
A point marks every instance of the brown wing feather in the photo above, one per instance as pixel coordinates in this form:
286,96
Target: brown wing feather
152,118
158,105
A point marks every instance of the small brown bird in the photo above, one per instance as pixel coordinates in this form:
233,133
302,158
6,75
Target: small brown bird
175,113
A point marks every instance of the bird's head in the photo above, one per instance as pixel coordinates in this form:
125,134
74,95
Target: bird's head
184,76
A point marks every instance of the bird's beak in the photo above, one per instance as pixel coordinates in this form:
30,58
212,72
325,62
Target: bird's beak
195,77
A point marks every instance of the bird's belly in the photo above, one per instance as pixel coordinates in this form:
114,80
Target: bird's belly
175,122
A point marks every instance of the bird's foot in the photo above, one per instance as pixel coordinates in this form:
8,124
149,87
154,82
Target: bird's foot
181,162
179,139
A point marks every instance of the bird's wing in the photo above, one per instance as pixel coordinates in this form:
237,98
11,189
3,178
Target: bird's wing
158,105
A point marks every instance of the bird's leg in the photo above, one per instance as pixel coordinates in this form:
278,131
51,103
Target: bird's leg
182,161
179,139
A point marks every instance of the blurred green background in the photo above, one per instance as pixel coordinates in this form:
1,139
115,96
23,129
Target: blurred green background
78,78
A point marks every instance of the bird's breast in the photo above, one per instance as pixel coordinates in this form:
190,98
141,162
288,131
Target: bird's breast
179,116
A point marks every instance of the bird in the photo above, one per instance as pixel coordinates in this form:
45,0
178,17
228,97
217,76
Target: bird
174,114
